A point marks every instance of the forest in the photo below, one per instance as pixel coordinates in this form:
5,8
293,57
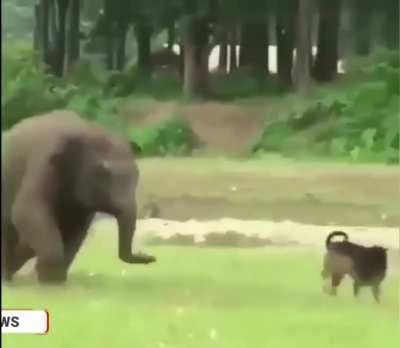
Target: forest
332,67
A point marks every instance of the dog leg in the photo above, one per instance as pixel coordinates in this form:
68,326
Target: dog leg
376,291
356,288
336,280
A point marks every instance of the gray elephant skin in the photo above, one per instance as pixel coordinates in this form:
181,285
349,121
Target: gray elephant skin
58,170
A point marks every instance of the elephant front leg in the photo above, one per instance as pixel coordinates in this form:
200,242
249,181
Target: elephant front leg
74,234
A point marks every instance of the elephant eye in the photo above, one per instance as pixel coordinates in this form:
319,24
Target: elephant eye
102,174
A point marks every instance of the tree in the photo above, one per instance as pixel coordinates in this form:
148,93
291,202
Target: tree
325,67
223,50
362,11
302,78
73,33
229,18
254,36
50,33
91,8
41,28
171,35
254,43
117,18
196,52
143,31
60,11
196,32
391,23
285,35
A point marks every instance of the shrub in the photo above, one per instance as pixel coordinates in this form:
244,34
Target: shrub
172,137
26,91
361,123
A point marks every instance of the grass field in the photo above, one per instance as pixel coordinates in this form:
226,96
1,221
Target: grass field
272,189
194,297
225,297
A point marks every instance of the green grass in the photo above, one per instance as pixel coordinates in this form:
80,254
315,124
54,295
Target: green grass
195,297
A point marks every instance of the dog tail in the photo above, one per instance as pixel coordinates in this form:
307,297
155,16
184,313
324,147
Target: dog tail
335,234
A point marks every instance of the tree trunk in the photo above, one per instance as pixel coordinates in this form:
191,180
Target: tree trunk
391,24
233,45
196,52
41,30
53,23
171,35
325,67
143,35
91,8
303,42
223,52
73,44
60,45
38,26
362,21
195,82
110,47
254,44
181,62
121,47
285,34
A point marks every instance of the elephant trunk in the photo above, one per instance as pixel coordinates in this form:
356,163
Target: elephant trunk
126,229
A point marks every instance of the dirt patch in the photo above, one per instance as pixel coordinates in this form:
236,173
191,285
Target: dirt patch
213,239
277,233
325,213
206,189
147,112
222,128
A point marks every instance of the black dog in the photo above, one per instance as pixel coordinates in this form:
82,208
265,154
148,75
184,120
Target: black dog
366,265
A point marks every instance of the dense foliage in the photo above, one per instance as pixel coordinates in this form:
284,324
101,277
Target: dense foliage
360,121
136,57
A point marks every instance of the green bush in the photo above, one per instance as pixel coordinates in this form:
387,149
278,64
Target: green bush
159,85
172,137
361,123
26,91
19,22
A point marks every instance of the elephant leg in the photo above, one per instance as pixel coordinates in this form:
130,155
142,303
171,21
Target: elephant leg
73,236
22,254
43,237
35,222
14,253
9,241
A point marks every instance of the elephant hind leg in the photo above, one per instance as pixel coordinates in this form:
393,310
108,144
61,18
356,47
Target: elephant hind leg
41,233
14,253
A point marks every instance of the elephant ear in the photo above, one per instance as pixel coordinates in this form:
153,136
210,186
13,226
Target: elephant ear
69,154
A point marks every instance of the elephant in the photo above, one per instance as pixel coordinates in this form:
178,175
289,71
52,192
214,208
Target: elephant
58,171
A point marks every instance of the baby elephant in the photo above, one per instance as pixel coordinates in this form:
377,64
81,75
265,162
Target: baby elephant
57,172
366,265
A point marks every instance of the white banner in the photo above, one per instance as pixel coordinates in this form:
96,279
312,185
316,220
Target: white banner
24,321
